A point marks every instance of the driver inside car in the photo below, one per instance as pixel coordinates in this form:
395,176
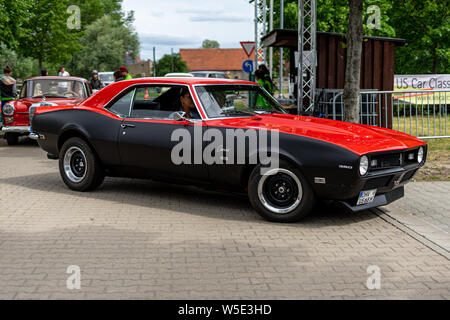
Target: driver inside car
187,104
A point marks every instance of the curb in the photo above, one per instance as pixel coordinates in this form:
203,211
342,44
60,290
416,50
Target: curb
437,240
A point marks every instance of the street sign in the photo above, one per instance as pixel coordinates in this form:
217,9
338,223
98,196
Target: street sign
249,47
247,66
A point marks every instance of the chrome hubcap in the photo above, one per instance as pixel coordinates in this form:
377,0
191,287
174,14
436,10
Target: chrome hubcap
75,164
280,191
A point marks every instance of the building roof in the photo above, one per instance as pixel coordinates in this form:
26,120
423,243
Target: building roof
213,59
289,38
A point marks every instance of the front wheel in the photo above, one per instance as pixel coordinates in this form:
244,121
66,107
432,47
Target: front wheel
281,194
12,139
79,167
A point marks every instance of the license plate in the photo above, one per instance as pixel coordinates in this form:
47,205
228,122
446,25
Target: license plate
366,197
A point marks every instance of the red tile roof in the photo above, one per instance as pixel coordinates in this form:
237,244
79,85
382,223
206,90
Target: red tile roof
213,59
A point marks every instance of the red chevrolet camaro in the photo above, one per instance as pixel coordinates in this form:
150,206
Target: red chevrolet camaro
226,134
41,91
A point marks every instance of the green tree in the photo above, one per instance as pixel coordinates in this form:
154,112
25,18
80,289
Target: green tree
105,45
22,67
92,10
425,25
164,65
210,44
49,38
13,15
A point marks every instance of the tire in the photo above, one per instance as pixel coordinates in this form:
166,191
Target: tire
79,166
12,139
284,196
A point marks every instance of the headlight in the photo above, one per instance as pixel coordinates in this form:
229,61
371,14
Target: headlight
420,155
8,110
363,165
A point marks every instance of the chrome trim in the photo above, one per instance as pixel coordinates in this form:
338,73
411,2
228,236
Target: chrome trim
33,136
16,129
36,136
266,204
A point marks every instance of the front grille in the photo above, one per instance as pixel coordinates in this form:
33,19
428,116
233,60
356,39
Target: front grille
386,161
392,160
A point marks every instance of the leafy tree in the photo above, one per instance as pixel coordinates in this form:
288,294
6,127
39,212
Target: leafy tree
105,45
92,10
425,25
13,15
210,44
22,67
48,37
164,65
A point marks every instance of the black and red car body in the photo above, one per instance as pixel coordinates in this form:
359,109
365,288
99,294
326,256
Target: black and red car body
116,133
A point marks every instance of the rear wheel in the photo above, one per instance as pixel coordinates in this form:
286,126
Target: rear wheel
12,138
282,194
79,167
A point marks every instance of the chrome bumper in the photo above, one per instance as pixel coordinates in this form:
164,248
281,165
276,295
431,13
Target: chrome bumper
16,129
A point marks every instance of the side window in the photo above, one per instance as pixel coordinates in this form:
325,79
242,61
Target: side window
156,102
122,106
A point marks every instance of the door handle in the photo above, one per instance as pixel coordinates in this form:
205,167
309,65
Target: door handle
124,126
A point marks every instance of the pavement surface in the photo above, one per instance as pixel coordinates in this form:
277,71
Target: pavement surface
135,239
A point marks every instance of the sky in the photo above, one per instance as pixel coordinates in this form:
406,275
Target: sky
177,24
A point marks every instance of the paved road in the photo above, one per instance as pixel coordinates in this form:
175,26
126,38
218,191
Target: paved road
429,201
146,240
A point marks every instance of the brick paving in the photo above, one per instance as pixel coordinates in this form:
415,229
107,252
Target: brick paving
428,201
146,240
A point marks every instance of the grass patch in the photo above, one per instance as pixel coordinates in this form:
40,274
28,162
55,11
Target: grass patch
437,167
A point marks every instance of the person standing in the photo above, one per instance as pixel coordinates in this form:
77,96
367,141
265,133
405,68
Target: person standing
267,80
7,89
44,73
96,83
62,72
118,76
125,74
63,86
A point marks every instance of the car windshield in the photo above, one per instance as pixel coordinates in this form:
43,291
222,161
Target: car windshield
236,100
108,77
54,88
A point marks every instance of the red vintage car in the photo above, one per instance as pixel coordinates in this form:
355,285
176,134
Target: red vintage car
215,133
41,91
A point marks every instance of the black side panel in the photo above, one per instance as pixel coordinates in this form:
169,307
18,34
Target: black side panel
100,130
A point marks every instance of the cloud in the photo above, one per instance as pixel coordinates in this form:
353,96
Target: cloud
204,15
150,40
217,18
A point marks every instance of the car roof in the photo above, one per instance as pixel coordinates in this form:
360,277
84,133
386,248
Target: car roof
57,78
185,80
105,95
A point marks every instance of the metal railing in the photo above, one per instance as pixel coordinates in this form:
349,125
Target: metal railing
423,113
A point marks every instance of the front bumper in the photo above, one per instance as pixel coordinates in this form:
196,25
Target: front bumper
379,201
16,129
